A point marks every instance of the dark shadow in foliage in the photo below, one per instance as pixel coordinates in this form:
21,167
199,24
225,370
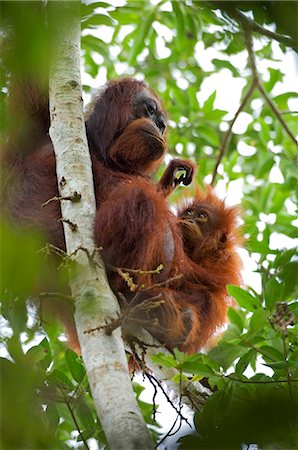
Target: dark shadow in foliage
261,414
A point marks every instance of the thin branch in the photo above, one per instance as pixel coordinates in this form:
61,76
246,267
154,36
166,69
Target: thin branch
67,298
73,417
139,271
252,62
251,25
154,381
75,197
228,133
277,113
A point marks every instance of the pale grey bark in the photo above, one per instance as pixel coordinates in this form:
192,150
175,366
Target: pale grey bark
104,356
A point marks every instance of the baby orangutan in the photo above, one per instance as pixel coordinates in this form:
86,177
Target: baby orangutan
211,235
199,300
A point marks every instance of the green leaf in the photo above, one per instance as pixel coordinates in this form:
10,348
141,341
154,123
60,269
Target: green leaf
21,261
208,104
95,44
225,354
180,26
164,360
86,10
273,293
244,361
271,353
75,365
180,356
258,320
243,298
139,42
281,100
209,135
223,64
126,15
290,279
85,415
60,379
197,368
41,352
275,76
236,318
96,20
265,166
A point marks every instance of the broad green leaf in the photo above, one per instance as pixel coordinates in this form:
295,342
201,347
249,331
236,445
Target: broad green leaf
60,379
96,20
85,415
125,15
275,76
258,320
225,354
197,368
39,353
75,365
244,361
223,64
273,293
139,42
208,104
209,135
243,298
281,100
94,44
180,25
236,318
271,353
164,360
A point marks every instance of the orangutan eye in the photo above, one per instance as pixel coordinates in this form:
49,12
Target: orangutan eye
150,108
203,215
188,212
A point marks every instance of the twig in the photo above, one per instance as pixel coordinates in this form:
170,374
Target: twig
277,113
153,381
59,295
50,248
250,24
73,226
252,61
73,417
164,283
139,271
228,133
75,197
90,256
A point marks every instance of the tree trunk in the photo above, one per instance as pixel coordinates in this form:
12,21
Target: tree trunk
104,356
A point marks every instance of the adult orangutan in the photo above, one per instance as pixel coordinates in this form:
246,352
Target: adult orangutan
133,224
126,136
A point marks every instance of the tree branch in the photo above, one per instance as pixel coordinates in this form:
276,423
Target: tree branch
104,356
252,61
253,26
227,136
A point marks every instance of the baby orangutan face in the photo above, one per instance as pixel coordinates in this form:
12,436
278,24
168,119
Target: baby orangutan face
209,227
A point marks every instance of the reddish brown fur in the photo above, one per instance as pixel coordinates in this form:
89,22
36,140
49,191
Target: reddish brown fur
133,223
214,251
